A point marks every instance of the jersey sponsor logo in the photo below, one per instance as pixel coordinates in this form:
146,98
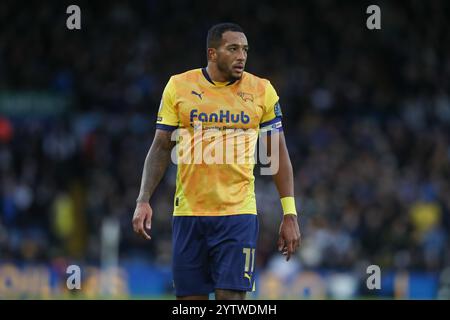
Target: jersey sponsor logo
223,116
245,96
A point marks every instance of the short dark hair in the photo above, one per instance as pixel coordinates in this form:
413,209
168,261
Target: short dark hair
214,37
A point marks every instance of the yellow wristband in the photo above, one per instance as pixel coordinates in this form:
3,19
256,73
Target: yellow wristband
288,204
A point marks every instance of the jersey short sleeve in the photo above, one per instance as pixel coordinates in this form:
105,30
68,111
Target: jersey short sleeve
167,115
271,119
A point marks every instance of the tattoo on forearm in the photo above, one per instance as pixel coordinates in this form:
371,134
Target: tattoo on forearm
155,166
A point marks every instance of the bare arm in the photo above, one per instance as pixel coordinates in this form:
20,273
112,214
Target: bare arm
155,165
284,177
289,233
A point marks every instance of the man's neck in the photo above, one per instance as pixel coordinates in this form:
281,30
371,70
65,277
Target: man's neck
215,74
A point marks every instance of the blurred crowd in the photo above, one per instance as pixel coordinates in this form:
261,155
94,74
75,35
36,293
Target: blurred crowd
366,118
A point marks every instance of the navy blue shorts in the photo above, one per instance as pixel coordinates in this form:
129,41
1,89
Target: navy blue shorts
213,253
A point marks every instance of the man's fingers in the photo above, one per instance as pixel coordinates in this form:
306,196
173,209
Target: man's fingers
289,239
141,229
148,223
296,244
290,249
136,224
138,227
288,254
144,234
280,243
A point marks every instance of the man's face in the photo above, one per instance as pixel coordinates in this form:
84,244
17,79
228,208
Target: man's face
232,54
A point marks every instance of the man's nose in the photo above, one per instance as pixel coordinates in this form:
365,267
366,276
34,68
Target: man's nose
242,55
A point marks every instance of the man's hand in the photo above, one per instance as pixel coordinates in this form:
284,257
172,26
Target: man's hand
289,239
142,217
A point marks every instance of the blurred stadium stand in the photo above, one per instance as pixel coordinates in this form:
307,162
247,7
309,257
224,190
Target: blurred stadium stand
366,114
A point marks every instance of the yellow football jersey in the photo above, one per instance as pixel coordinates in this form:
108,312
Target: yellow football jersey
217,129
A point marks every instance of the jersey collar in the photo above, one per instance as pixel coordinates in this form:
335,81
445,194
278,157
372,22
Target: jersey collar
219,84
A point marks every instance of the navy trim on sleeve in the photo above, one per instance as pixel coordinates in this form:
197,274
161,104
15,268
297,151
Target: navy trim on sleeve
268,123
165,127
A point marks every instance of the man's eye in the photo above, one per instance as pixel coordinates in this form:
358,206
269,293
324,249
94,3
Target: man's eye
232,49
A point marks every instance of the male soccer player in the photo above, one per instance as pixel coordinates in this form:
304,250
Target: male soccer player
215,226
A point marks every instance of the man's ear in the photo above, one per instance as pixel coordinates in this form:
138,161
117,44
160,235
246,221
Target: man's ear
212,54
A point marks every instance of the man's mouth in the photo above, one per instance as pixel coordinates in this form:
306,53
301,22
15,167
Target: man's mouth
238,68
